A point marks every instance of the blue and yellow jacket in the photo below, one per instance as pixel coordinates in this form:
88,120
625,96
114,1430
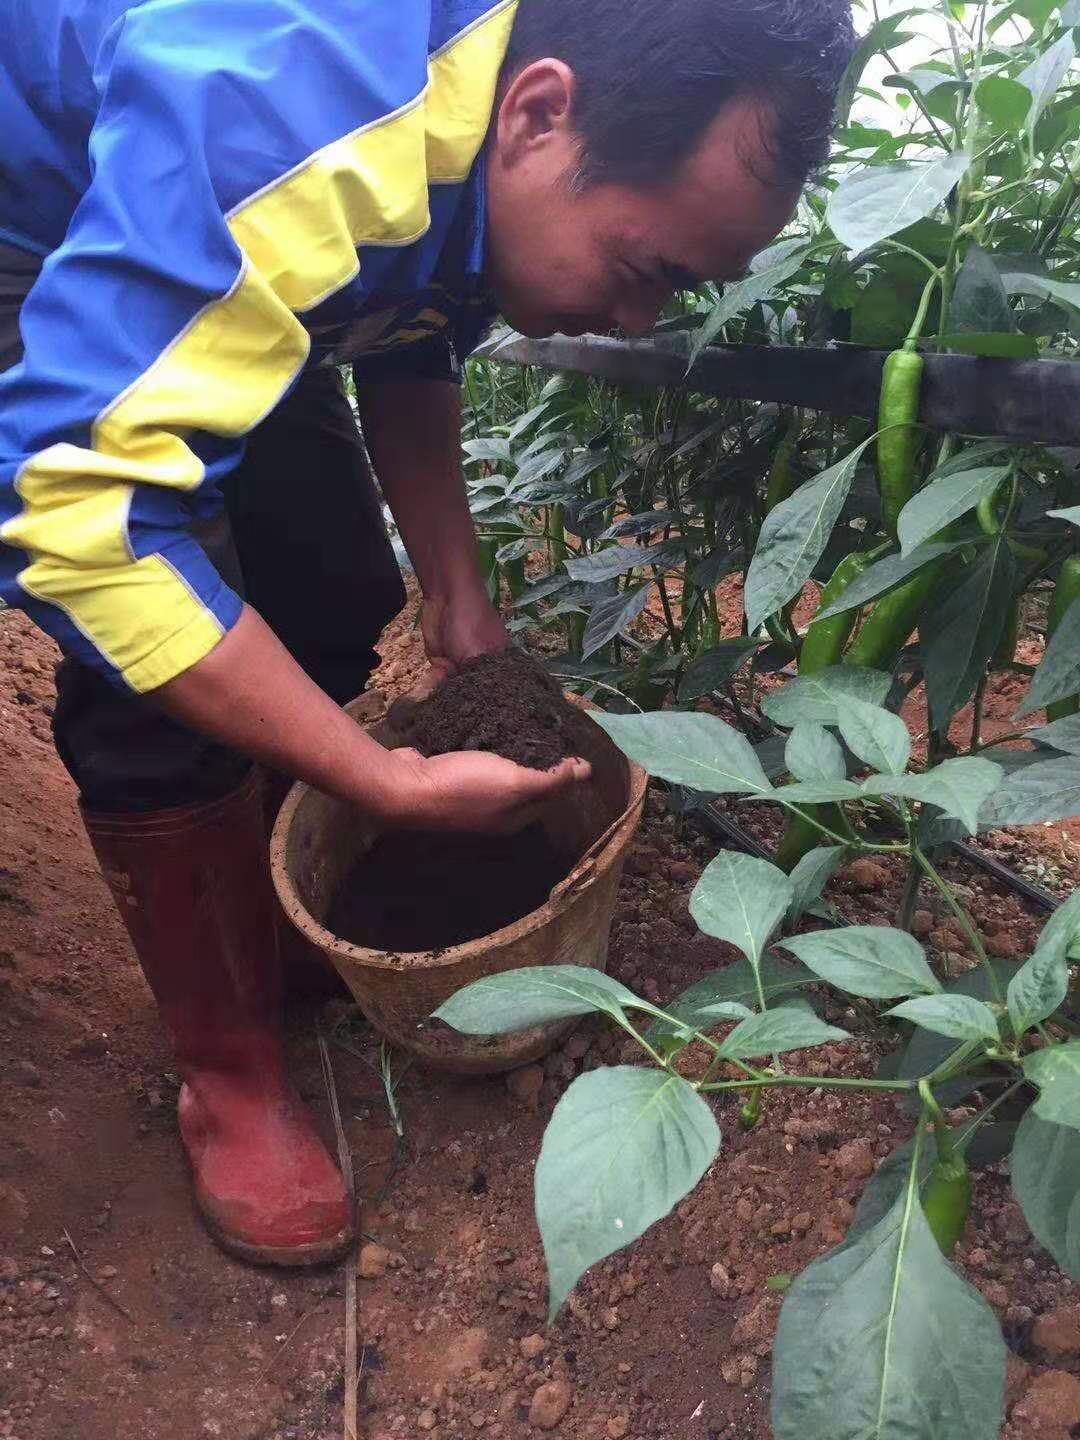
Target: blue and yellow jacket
224,191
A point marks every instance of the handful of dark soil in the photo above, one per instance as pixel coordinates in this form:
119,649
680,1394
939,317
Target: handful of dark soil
506,704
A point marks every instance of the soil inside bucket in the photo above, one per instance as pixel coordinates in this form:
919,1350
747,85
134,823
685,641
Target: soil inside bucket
507,704
420,891
417,891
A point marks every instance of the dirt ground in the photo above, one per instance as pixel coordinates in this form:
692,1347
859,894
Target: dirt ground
153,1334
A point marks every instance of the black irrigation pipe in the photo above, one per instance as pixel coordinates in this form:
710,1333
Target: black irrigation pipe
1021,400
724,828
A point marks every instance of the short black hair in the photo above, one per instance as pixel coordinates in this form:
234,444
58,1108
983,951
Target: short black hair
652,75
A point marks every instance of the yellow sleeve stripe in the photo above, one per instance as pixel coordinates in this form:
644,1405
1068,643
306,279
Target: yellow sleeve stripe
88,598
227,370
463,77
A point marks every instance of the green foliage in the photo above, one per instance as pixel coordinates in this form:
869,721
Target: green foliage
948,220
623,1147
870,960
864,1343
1046,1179
868,1341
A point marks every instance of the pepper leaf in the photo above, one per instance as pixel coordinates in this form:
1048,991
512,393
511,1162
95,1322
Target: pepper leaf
792,1026
881,200
736,984
1058,676
821,698
1056,1071
876,736
867,1344
520,999
742,900
963,630
623,1147
1040,986
886,575
794,537
870,960
814,755
698,751
945,500
957,1016
809,878
1045,1169
957,787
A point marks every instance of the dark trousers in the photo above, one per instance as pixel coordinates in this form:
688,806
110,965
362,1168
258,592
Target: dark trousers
302,538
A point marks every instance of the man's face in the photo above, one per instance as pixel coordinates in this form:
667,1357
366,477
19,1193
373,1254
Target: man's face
566,260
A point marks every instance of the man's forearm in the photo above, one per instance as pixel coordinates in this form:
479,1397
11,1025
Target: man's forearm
250,694
413,431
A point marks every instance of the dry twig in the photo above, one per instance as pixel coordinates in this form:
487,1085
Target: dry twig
352,1378
120,1310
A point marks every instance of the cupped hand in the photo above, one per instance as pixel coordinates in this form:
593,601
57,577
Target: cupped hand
475,792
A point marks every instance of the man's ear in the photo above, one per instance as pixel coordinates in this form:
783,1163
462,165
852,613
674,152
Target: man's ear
535,111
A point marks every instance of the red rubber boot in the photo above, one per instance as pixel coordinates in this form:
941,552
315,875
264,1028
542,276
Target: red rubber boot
193,888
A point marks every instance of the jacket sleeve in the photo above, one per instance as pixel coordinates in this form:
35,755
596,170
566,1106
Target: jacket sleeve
244,154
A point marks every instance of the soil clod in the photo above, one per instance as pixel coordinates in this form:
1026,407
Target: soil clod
506,704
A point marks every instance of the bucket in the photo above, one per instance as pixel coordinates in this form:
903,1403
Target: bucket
317,841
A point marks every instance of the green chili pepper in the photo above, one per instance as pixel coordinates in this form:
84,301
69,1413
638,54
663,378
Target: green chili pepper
781,476
986,513
823,643
644,689
898,445
515,577
1006,647
1066,593
750,1113
946,1201
710,635
886,630
822,646
800,837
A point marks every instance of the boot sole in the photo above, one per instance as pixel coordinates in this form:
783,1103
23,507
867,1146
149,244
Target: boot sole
292,1257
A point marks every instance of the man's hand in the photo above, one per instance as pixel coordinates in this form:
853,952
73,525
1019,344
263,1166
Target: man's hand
458,628
475,792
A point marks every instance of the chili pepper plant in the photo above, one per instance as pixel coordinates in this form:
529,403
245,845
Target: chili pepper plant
955,229
882,1336
947,221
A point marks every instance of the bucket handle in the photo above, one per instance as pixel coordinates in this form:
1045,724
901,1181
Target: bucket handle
584,871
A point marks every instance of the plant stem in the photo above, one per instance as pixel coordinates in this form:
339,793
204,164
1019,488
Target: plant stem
1001,740
977,717
669,618
961,914
945,1148
919,323
812,1081
906,914
846,841
954,1063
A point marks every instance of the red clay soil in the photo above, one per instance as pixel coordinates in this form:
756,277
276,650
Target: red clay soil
170,1340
